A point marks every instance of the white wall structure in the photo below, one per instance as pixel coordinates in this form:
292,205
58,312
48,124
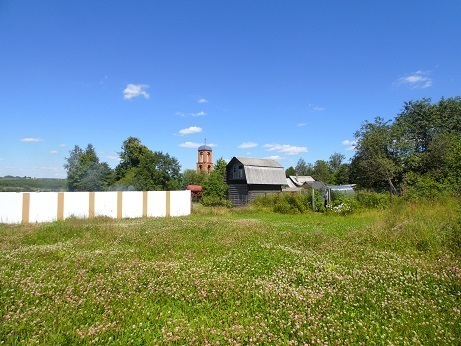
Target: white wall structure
26,207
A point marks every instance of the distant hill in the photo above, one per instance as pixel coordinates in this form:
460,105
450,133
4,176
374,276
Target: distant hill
26,184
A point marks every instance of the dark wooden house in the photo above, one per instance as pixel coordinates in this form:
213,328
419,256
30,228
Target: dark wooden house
248,178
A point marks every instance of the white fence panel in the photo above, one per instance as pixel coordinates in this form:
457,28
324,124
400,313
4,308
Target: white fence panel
156,203
105,204
43,207
11,207
132,204
76,204
180,203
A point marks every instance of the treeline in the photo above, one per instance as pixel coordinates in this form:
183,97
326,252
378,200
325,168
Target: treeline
26,184
418,152
141,169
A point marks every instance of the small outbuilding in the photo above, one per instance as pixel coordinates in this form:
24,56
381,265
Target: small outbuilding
196,191
247,178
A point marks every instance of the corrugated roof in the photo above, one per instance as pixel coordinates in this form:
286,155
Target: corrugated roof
299,181
246,161
265,175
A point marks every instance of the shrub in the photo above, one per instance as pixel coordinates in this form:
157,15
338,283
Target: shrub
214,201
372,200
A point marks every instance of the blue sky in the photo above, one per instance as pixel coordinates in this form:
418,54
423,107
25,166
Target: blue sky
279,79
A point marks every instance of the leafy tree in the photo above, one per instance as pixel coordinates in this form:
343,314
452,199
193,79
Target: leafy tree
215,187
130,156
374,163
143,169
339,170
302,168
85,172
290,171
191,177
342,175
322,172
335,161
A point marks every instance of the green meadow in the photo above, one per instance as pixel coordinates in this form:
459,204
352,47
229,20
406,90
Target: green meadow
237,277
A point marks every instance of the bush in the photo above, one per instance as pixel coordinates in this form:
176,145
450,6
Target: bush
214,201
372,200
343,204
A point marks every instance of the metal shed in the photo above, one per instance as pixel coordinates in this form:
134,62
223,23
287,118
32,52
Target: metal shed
248,177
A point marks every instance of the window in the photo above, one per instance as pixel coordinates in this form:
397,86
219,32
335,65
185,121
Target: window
237,172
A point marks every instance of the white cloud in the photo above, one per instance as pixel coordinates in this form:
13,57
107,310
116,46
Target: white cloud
316,108
199,114
302,124
202,100
195,145
415,80
285,149
53,152
190,145
273,157
31,139
246,145
62,145
135,90
350,145
190,130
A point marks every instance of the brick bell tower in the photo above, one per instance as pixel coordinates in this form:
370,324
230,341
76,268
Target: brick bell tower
205,159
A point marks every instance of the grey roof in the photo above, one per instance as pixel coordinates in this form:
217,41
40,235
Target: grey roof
318,185
205,147
262,171
265,175
298,181
246,161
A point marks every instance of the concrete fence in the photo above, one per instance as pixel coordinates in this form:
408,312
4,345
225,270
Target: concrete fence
26,207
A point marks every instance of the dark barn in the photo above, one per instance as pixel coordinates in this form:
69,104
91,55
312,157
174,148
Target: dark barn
247,178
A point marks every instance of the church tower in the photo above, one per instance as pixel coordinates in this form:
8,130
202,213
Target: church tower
205,159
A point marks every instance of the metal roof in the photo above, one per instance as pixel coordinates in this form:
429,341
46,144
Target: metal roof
261,171
299,181
246,161
265,175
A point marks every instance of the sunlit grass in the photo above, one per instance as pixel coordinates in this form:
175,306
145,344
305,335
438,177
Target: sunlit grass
235,277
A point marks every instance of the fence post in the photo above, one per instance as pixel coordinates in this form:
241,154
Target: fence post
144,203
168,198
119,204
25,207
91,212
313,199
60,215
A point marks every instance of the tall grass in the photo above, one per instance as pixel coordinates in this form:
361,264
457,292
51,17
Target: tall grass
242,276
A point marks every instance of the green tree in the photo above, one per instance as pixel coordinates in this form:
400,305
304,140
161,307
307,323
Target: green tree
85,172
143,169
374,164
191,177
322,172
342,175
335,161
215,187
290,171
130,156
426,135
302,168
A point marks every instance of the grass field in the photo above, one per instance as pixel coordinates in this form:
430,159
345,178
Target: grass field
236,277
